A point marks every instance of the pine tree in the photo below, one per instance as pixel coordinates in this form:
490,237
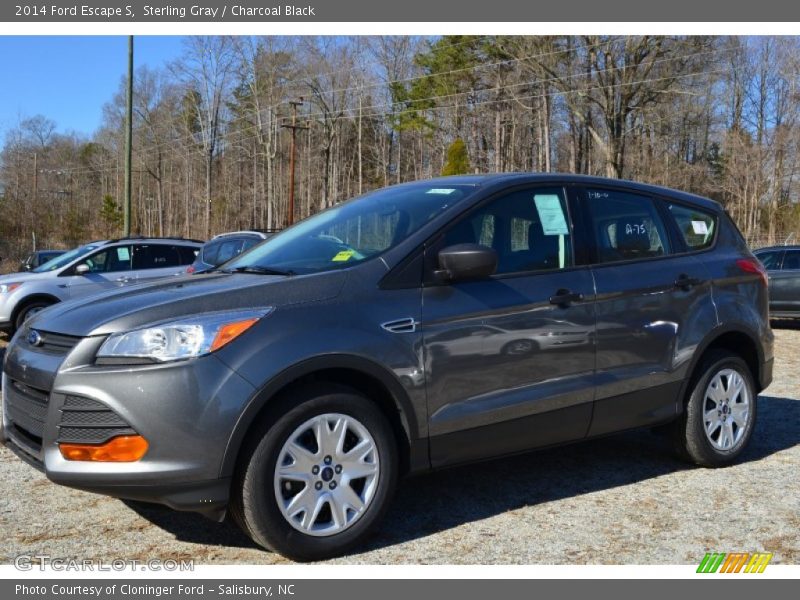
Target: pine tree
457,159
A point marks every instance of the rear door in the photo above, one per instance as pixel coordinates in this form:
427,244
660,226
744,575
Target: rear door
784,284
510,359
653,306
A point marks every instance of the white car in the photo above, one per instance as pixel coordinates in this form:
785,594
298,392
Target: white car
90,269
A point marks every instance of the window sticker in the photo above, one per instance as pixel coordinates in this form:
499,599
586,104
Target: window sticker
343,256
700,227
551,214
441,191
123,253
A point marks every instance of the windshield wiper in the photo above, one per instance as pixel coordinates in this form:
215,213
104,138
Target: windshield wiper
258,270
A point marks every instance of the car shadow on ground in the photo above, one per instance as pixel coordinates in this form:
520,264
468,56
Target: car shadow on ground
436,502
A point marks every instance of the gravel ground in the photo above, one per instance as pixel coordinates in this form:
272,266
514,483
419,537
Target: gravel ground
619,500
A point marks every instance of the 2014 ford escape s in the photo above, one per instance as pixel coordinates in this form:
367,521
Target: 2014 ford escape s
420,326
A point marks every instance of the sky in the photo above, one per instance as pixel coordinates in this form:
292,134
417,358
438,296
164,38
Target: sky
69,79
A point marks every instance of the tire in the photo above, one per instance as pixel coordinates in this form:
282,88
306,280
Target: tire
256,506
27,311
709,434
519,347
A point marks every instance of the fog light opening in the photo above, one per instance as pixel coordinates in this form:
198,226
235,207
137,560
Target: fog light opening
125,448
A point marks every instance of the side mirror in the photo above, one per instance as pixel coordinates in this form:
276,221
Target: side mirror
82,269
466,261
27,267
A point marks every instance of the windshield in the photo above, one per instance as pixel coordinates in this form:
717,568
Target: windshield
65,259
352,232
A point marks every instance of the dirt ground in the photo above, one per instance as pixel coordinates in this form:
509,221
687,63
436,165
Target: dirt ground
620,500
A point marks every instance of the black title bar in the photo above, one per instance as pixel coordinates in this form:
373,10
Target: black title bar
408,10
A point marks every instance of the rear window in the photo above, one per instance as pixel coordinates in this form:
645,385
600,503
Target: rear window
209,253
771,259
187,254
696,226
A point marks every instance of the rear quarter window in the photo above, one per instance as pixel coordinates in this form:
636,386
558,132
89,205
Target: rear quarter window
697,227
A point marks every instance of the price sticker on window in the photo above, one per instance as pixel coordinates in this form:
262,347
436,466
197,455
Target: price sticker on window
551,214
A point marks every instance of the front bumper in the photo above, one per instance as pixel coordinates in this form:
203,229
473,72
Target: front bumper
185,410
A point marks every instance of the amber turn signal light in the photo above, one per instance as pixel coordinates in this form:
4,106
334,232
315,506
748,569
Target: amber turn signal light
125,448
230,331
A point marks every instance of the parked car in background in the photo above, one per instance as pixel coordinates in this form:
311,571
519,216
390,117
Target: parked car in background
37,258
225,246
783,268
403,331
89,269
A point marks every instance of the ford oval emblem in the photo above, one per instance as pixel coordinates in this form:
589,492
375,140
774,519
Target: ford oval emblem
35,338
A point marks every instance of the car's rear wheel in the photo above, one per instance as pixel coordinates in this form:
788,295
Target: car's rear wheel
721,412
28,310
319,477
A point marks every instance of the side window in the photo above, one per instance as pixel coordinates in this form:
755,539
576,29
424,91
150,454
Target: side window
696,226
792,260
248,243
529,230
155,256
228,250
110,260
770,260
626,226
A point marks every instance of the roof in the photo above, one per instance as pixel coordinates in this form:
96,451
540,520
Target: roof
522,178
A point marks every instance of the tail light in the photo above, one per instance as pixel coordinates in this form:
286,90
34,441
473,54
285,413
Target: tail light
754,266
190,269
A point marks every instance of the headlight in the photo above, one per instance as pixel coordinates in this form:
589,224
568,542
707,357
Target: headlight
6,288
187,338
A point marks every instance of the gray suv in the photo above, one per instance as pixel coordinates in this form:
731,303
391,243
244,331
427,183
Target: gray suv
420,326
89,269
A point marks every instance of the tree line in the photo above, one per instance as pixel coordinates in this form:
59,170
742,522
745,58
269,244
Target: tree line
716,116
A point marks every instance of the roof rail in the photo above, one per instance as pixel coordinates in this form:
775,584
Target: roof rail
154,237
245,231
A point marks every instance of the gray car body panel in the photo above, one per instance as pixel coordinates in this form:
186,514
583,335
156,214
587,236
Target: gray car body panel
622,358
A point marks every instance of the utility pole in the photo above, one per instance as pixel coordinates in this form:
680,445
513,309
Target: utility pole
35,176
128,140
294,127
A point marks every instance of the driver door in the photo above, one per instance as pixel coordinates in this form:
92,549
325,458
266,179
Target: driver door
510,358
109,268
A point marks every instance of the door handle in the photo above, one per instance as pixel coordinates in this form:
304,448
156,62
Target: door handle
685,282
123,279
564,297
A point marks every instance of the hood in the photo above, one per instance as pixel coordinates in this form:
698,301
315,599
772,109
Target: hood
138,306
25,276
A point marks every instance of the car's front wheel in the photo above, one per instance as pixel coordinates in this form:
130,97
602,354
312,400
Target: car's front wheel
721,412
319,477
28,310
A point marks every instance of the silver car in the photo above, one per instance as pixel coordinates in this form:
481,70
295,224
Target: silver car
90,269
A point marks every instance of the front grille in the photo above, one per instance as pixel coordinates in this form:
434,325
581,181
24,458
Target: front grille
52,343
26,408
87,421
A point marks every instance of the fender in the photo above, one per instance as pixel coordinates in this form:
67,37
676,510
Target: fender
307,367
33,298
707,341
